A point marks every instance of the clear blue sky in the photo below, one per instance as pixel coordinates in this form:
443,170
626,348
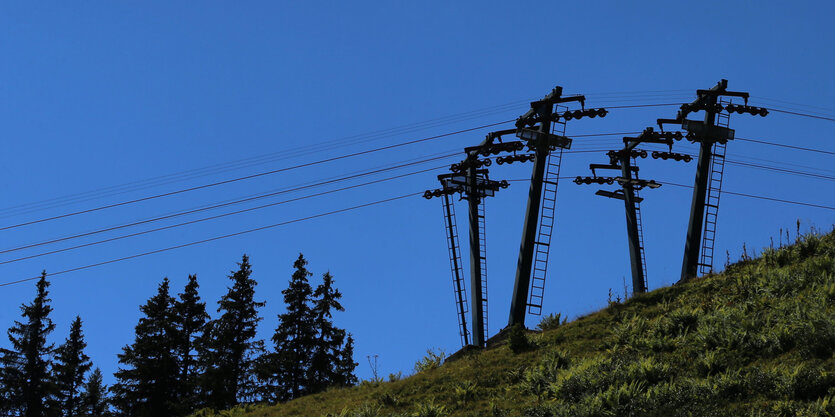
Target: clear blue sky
102,94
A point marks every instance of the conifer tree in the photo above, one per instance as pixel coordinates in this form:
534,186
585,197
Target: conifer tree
345,366
189,321
71,364
26,368
228,346
94,401
147,385
326,351
295,337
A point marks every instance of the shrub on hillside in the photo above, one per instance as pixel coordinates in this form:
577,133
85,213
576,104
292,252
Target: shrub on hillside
432,360
551,321
465,391
430,409
517,339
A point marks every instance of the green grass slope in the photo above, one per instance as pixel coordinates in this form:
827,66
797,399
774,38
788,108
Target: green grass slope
756,340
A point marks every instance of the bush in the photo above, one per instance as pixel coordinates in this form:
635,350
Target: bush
681,398
805,382
626,399
731,384
647,371
429,409
432,360
536,381
466,391
551,321
517,339
679,322
822,407
388,399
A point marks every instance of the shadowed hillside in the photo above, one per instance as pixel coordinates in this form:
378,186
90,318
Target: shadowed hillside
755,340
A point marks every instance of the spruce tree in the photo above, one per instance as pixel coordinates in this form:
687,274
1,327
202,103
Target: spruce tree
228,345
295,337
94,401
147,384
346,365
71,363
189,321
327,348
26,368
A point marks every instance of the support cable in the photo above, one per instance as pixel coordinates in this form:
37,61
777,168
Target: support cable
211,239
172,226
7,283
230,203
246,177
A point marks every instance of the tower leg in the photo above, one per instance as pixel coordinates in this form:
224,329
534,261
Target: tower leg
475,259
632,230
522,284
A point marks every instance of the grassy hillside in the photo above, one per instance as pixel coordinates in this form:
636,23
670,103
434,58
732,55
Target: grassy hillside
755,340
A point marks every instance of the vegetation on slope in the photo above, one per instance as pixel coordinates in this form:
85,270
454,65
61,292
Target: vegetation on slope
755,340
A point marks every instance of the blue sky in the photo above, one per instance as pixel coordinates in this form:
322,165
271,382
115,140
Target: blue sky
100,97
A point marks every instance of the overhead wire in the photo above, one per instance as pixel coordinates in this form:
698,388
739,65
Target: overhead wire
831,119
251,230
180,191
211,239
190,222
801,148
230,203
758,197
261,159
238,201
577,151
247,177
246,162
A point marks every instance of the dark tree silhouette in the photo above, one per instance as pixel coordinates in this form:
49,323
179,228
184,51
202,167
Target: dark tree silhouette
71,364
327,350
147,385
294,338
94,400
228,346
26,372
345,366
311,354
189,322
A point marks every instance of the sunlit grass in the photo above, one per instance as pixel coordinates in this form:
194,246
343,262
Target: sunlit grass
757,339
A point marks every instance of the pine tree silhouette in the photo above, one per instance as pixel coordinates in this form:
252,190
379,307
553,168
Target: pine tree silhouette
327,349
147,385
26,368
228,346
345,366
71,364
94,400
295,336
189,321
311,354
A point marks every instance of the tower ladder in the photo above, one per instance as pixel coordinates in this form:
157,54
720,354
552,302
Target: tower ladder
482,256
458,284
714,191
640,238
545,227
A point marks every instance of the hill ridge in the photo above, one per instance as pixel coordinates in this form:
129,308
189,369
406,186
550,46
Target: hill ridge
756,339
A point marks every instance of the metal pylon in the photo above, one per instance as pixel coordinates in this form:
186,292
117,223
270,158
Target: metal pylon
545,230
714,191
458,283
482,251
